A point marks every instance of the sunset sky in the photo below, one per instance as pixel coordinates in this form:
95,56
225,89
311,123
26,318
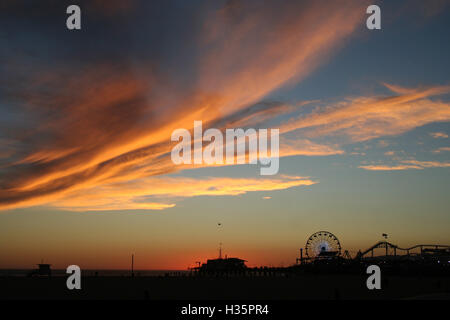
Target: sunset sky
86,118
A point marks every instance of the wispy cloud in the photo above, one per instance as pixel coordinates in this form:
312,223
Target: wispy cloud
100,122
152,193
389,168
442,149
407,165
365,118
438,135
428,164
305,147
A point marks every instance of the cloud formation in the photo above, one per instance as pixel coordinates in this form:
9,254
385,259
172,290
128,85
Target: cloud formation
152,193
364,118
104,117
407,165
442,149
438,135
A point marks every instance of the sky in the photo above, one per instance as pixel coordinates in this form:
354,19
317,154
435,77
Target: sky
86,118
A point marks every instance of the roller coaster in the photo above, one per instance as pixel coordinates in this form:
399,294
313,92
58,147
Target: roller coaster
324,245
424,249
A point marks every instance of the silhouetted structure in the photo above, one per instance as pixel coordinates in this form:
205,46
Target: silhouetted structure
227,265
425,250
43,270
322,245
323,255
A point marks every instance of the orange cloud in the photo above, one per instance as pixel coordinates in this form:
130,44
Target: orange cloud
438,135
428,164
406,165
364,118
133,195
251,55
439,150
102,123
305,147
389,168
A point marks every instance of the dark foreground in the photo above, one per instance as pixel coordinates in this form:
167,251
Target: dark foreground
236,288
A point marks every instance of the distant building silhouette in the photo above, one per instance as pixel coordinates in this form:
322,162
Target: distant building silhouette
227,265
43,270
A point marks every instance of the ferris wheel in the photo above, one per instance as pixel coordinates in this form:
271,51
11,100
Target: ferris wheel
322,244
